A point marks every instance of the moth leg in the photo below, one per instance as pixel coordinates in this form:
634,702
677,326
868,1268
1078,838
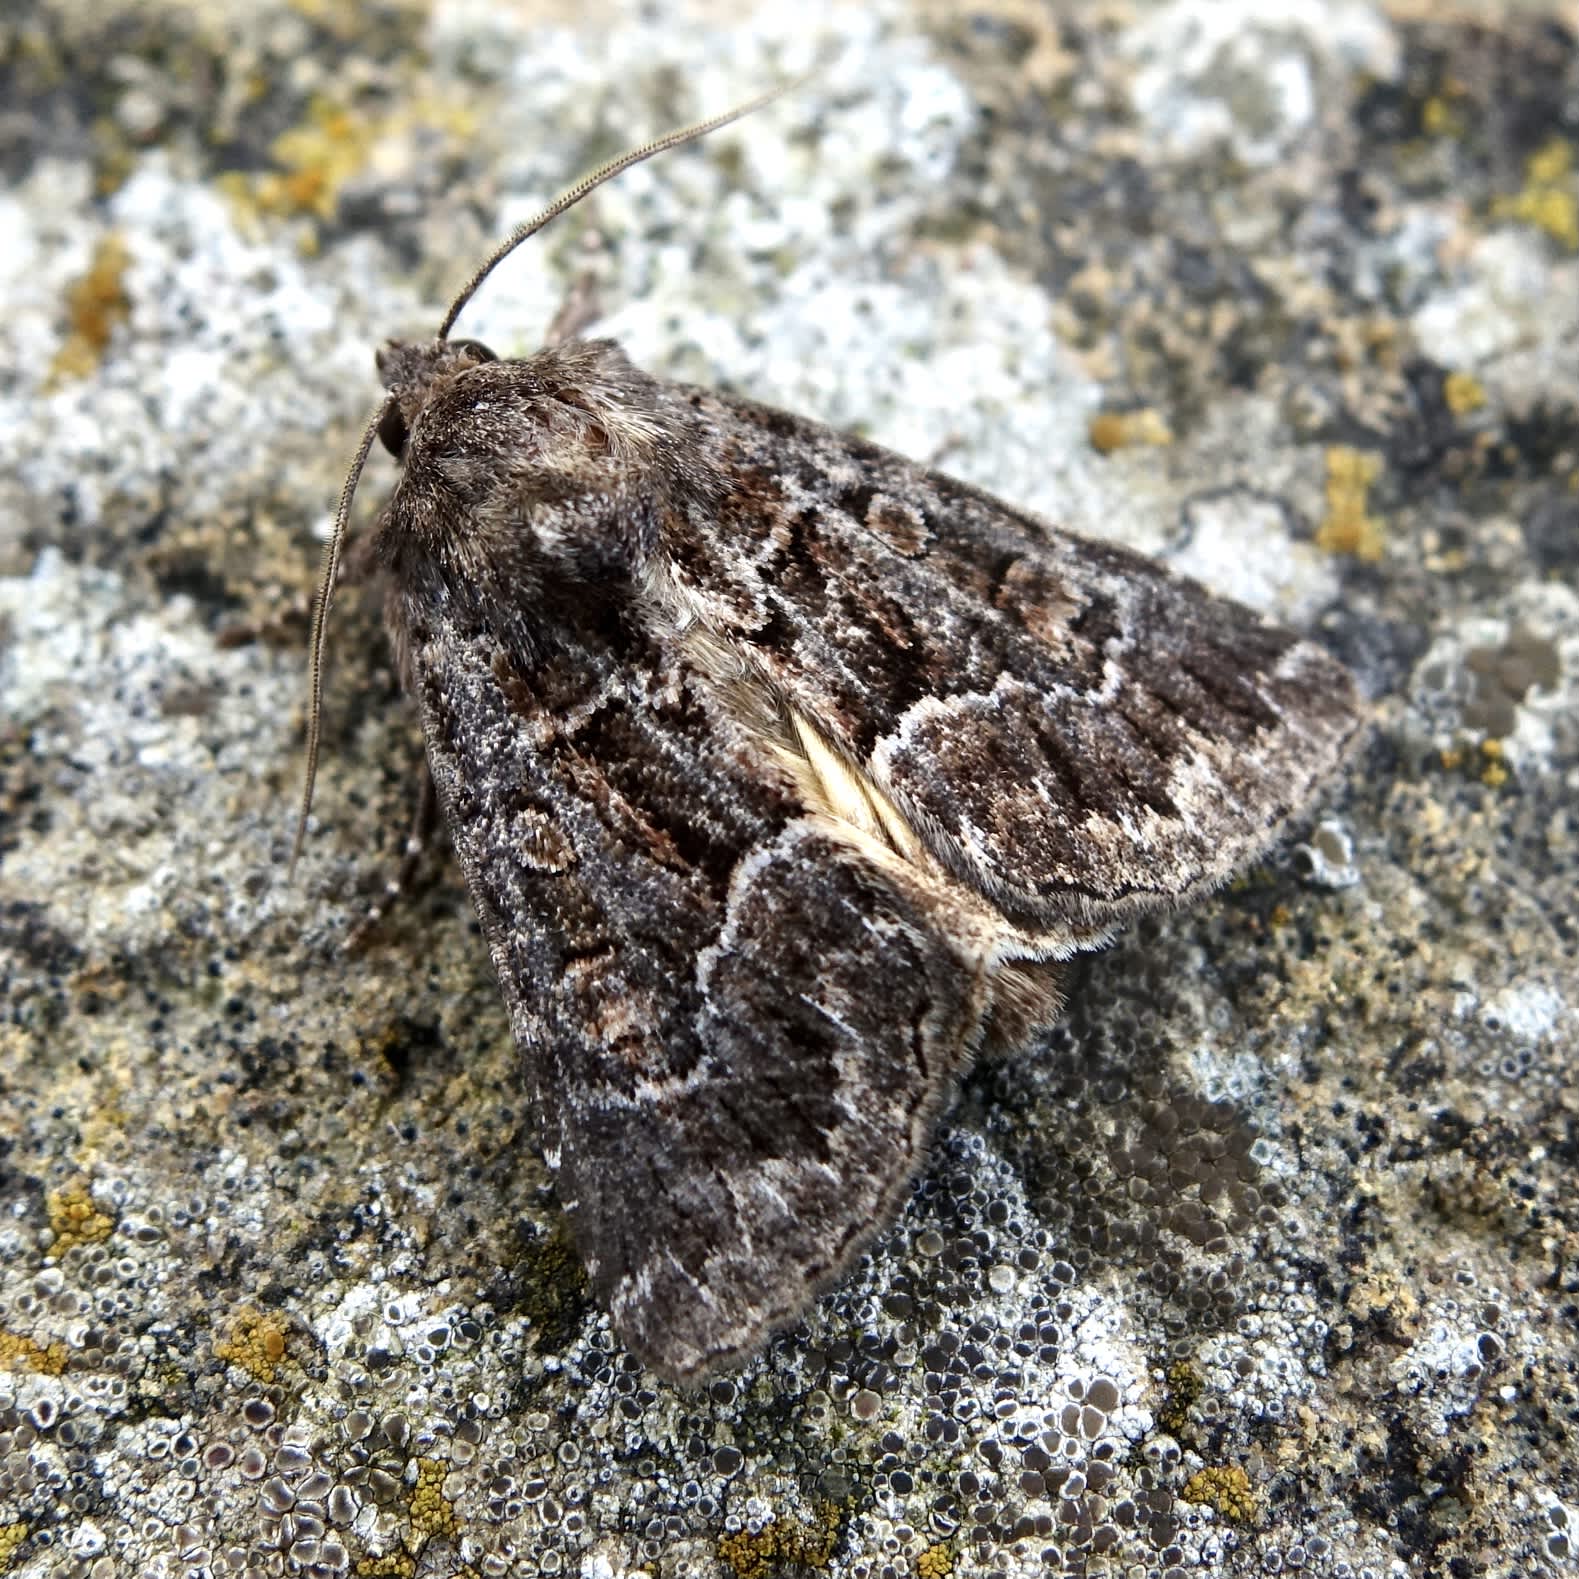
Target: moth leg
422,826
945,447
358,564
580,307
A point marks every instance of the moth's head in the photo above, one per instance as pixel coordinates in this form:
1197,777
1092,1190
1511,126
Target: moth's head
556,465
411,371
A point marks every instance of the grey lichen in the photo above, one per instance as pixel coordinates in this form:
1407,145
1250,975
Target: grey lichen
1286,1198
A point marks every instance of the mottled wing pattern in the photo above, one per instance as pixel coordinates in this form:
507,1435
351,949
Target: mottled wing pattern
738,1036
1078,733
780,770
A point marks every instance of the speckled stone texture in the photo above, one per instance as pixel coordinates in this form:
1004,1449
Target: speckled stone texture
1264,1263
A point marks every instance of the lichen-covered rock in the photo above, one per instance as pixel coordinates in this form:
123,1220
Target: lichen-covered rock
1262,1263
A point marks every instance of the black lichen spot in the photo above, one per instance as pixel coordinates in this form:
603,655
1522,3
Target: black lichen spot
1551,533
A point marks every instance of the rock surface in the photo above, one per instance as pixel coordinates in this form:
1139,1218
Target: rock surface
1268,1261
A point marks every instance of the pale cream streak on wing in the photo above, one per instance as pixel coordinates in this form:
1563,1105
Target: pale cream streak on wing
846,801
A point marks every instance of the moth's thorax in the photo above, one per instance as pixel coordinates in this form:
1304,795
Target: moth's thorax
553,465
413,369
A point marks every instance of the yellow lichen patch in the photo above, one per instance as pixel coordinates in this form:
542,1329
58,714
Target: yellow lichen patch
393,1565
1463,393
934,1563
11,1537
1113,430
1494,772
75,1219
95,304
332,146
783,1543
1348,526
1184,1388
318,157
1550,199
1440,118
1225,1489
256,1343
18,1352
432,1513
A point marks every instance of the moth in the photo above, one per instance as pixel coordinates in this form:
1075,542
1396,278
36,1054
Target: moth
785,774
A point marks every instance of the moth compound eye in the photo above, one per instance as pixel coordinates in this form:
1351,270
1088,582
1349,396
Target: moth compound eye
392,430
479,352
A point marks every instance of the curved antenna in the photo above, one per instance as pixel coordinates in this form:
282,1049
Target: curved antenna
321,604
587,184
334,548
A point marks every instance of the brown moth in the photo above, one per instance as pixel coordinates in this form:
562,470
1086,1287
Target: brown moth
784,773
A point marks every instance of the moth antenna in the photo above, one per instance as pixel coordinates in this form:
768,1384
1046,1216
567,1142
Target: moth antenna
332,550
315,643
587,184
